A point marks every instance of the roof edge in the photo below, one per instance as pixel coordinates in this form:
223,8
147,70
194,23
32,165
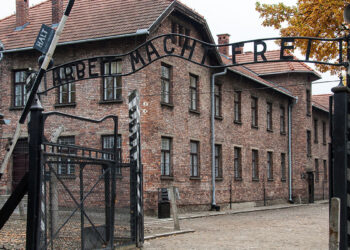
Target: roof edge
256,80
293,71
137,33
317,106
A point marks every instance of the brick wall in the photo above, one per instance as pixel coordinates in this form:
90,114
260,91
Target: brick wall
178,123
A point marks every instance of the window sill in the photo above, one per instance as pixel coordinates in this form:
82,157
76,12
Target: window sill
193,111
168,105
66,176
270,180
167,178
65,105
238,179
269,130
308,114
309,156
283,133
283,180
110,101
255,127
219,178
195,178
237,122
255,179
219,118
16,108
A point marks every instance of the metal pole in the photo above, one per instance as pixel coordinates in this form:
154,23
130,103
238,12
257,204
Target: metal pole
35,132
46,61
212,122
340,153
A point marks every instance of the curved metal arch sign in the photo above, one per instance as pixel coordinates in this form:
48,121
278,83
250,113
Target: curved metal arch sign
164,46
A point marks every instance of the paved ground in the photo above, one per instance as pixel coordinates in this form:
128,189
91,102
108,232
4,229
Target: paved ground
303,227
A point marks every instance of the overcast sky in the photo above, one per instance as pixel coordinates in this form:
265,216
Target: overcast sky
237,18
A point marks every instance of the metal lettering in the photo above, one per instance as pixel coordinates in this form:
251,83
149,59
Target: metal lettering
151,52
259,53
169,52
56,76
92,65
80,71
284,47
308,50
68,73
190,47
236,51
135,59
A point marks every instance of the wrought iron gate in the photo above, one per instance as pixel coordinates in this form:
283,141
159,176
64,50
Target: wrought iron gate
88,195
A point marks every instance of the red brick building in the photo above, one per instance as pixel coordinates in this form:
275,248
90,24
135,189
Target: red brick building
270,135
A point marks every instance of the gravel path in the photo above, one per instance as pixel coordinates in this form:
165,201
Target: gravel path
304,227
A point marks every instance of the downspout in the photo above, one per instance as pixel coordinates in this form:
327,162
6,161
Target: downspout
212,123
290,105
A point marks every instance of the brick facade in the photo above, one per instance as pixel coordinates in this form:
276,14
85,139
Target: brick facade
177,122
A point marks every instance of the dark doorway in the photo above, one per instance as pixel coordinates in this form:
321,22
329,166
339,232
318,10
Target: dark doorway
310,181
20,161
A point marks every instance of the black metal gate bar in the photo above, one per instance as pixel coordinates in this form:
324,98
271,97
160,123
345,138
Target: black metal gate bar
340,154
81,168
35,131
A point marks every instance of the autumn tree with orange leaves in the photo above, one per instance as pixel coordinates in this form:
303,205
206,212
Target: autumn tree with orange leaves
311,18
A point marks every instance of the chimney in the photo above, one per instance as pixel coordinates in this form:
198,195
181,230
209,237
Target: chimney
57,11
22,9
224,39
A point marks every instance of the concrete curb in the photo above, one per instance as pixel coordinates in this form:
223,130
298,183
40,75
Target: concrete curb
253,209
168,234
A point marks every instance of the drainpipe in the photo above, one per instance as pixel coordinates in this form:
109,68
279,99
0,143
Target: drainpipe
212,122
290,105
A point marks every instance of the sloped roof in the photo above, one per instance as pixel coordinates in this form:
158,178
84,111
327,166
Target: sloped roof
271,68
245,71
321,101
88,19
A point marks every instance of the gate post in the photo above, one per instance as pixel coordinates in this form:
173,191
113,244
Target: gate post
35,134
340,157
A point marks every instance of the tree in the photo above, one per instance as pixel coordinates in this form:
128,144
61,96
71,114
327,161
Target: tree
312,18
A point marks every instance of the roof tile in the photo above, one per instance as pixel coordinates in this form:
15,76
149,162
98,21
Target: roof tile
88,19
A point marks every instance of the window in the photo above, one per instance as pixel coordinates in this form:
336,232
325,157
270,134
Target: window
324,133
66,168
66,92
325,171
269,166
282,120
217,96
194,154
283,167
166,84
165,162
112,85
218,161
255,164
237,106
315,131
269,116
254,111
108,144
308,102
237,163
308,143
317,171
193,93
20,93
